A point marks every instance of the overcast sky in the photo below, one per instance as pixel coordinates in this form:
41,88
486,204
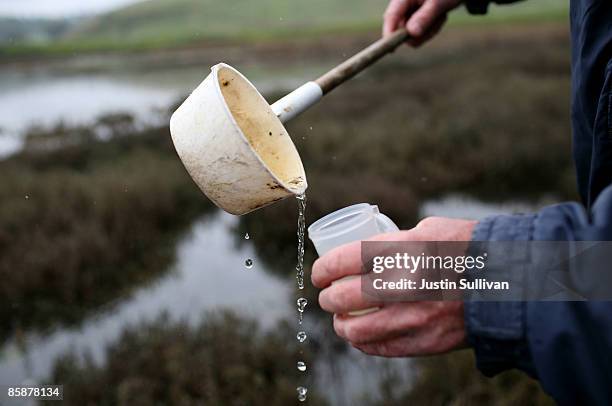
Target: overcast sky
57,8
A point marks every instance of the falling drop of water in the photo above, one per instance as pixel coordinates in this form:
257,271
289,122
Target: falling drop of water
302,391
301,366
301,304
248,263
247,236
301,336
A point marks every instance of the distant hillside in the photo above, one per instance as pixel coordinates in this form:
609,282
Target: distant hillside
173,21
153,24
178,21
14,30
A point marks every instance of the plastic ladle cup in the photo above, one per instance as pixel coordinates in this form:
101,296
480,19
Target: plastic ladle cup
354,223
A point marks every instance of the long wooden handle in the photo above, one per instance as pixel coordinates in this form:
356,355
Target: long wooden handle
361,60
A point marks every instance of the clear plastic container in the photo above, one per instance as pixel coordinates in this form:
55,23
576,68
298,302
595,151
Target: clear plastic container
353,223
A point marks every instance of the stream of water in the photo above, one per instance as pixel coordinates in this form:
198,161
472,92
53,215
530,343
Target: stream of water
299,274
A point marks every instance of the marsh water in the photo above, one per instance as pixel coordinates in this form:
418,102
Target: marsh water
209,271
44,97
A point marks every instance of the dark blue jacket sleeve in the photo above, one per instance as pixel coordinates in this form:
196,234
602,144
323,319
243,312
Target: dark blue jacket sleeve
481,6
566,345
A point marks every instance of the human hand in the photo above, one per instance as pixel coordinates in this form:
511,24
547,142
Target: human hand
422,18
397,329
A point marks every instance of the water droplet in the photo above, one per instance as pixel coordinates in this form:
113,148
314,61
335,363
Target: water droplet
301,304
310,128
27,197
301,366
302,391
301,336
247,236
248,263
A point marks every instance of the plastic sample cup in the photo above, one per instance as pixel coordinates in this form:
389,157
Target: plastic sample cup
354,223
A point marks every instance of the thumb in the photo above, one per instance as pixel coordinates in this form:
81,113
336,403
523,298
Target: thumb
422,20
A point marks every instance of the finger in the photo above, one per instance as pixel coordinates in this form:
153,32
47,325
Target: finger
432,32
346,260
337,263
392,321
404,346
344,296
425,341
423,19
394,14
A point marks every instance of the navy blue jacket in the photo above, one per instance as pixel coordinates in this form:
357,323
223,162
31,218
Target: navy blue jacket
567,346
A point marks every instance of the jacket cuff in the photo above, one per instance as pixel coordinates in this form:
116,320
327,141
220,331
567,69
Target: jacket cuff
480,7
496,330
477,7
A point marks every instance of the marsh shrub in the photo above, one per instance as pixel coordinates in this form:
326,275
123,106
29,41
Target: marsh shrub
452,379
224,360
84,221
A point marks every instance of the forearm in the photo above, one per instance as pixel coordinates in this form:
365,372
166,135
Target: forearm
533,336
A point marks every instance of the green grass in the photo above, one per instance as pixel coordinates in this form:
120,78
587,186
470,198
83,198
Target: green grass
157,24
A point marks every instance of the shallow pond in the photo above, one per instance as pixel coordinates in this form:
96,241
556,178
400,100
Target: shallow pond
47,97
